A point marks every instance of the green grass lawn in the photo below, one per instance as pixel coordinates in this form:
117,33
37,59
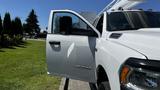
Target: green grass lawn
24,68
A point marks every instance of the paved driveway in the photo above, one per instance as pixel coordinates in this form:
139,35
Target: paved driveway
75,85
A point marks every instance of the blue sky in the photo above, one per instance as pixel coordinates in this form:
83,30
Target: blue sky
21,8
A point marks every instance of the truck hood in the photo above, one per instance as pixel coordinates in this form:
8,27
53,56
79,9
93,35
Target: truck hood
145,41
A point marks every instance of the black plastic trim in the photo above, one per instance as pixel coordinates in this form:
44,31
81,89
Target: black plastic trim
115,35
55,42
123,88
152,65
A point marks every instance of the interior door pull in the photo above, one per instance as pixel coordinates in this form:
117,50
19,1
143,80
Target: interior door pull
54,42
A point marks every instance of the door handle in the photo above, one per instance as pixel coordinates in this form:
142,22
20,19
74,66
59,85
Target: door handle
55,42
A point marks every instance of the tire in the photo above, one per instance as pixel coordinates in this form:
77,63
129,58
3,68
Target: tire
104,86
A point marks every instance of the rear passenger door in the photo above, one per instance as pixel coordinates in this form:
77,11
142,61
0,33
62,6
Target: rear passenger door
71,46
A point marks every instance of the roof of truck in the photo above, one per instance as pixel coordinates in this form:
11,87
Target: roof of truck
132,10
124,10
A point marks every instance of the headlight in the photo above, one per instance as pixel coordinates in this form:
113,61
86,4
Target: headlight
139,77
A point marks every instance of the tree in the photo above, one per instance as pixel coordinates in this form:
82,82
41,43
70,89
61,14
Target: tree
25,28
1,28
17,31
32,23
7,24
13,27
18,26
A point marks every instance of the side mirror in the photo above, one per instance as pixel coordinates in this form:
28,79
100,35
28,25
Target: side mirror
65,25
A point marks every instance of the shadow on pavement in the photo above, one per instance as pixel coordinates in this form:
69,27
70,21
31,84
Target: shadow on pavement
92,86
66,84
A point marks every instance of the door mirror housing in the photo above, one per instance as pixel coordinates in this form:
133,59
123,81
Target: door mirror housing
65,25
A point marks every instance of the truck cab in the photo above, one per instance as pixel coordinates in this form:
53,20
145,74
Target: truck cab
119,51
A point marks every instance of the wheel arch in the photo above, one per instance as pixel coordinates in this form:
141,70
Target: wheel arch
101,74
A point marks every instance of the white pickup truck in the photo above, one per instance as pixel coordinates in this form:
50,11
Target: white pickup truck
119,51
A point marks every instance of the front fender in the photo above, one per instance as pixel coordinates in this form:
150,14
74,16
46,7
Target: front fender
111,56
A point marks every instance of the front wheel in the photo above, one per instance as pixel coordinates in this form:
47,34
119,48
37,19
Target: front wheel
104,86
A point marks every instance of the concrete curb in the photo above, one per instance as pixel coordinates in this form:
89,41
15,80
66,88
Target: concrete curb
62,84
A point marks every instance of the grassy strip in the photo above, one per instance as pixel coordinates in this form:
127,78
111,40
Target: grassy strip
24,68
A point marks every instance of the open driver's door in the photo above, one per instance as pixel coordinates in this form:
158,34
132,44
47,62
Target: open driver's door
70,46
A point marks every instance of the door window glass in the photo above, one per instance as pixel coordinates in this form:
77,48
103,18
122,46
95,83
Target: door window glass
70,24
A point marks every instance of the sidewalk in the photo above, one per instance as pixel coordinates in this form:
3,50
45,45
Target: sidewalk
74,85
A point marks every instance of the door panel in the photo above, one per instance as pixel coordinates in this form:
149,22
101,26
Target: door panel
71,54
58,56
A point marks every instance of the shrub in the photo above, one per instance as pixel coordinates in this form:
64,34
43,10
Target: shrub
18,39
6,41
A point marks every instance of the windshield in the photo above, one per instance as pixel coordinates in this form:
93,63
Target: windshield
133,20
